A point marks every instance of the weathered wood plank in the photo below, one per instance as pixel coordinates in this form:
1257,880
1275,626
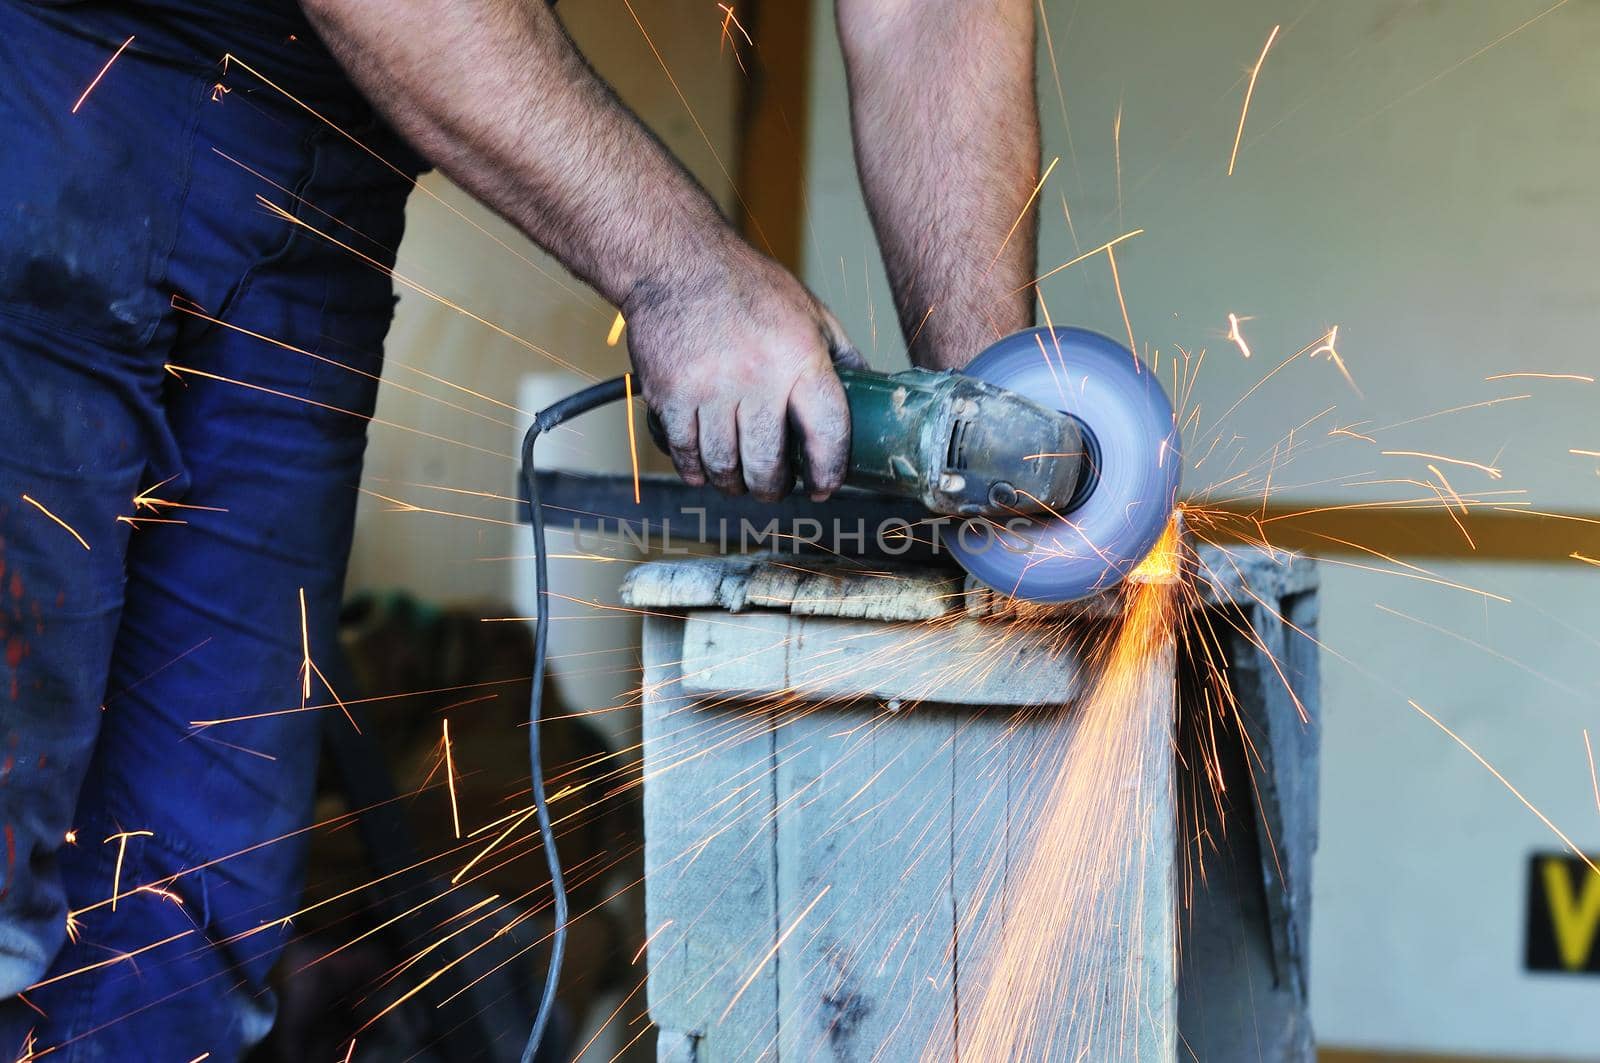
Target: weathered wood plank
824,659
711,903
828,586
864,881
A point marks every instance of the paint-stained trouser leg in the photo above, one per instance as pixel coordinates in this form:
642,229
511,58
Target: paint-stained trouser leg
122,651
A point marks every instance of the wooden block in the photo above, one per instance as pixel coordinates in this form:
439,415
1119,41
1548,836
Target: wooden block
823,658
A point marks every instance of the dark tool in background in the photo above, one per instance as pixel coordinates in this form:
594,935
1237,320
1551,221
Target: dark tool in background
1058,444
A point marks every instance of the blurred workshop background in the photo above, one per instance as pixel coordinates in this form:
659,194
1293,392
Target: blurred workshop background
1418,173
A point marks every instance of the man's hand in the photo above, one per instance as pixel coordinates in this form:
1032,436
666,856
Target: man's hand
733,352
733,358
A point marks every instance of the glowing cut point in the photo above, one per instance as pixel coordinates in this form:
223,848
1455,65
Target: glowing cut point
1164,562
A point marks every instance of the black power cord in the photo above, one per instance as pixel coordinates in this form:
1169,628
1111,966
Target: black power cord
581,402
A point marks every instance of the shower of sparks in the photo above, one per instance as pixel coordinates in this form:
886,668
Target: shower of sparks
633,440
308,668
121,838
1235,336
450,779
114,56
1079,886
1249,91
617,325
70,530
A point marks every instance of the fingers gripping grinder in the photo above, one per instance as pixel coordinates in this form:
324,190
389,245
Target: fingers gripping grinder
1057,444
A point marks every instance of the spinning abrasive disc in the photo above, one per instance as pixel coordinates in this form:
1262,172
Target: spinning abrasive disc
1131,477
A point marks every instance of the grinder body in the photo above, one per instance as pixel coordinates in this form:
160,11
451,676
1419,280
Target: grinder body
959,445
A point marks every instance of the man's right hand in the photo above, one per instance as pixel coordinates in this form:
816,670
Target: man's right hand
734,355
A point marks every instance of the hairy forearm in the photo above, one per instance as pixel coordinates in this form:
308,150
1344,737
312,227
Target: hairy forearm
947,141
494,94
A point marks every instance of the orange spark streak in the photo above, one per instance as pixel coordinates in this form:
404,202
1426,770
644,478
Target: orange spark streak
1541,376
616,330
637,956
1584,558
180,370
120,957
229,58
1235,336
1116,281
450,778
114,55
1594,781
1557,831
1326,347
1458,501
1116,146
287,216
121,838
1249,91
1023,214
633,441
762,965
730,19
1489,470
36,504
486,849
701,129
402,506
1107,246
180,306
308,667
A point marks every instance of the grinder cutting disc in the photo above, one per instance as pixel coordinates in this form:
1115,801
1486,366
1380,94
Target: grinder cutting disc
1132,471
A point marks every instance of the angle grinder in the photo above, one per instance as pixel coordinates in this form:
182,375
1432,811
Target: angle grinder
1056,447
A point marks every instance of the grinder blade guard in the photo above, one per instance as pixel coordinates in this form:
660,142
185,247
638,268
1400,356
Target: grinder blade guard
1133,467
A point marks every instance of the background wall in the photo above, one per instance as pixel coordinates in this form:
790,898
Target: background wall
1436,201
